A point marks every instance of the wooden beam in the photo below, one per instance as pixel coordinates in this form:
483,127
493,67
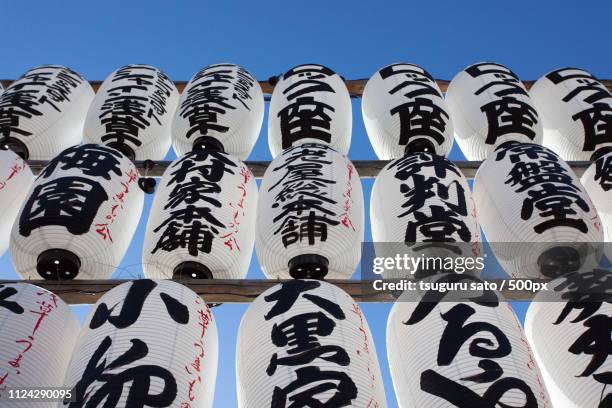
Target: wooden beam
219,290
355,86
365,168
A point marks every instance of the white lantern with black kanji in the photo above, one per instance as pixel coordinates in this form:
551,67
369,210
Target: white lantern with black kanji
535,213
15,181
422,204
576,113
310,215
79,216
132,112
222,107
202,222
38,332
490,106
597,181
404,112
146,343
460,348
569,328
44,112
310,104
306,343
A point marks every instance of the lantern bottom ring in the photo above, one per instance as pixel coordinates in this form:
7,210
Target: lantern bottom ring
58,264
559,260
191,270
308,266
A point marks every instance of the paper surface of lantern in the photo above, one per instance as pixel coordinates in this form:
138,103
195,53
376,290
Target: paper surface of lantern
404,111
310,104
489,106
310,215
221,105
79,216
597,181
576,113
422,204
132,112
530,202
15,180
45,111
146,343
568,327
38,332
202,222
306,343
465,354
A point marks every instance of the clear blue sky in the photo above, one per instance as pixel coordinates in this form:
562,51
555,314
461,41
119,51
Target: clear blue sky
353,38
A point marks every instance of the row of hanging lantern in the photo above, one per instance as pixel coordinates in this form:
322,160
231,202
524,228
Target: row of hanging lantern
306,343
82,211
138,111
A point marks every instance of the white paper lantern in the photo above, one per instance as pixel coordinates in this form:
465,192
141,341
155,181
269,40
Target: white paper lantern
146,343
44,111
422,204
404,112
489,106
38,332
79,216
534,210
310,219
202,222
470,353
222,105
306,343
576,113
597,181
310,104
15,181
570,336
132,112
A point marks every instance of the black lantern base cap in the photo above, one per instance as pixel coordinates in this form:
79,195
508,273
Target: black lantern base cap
308,266
191,270
58,264
558,261
420,146
16,145
601,152
208,143
123,148
147,184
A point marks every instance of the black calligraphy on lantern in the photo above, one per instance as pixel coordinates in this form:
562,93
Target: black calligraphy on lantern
191,222
213,92
596,117
26,98
443,221
137,98
506,114
103,382
420,116
586,293
549,188
306,115
6,292
132,305
487,342
301,338
71,202
603,172
302,196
